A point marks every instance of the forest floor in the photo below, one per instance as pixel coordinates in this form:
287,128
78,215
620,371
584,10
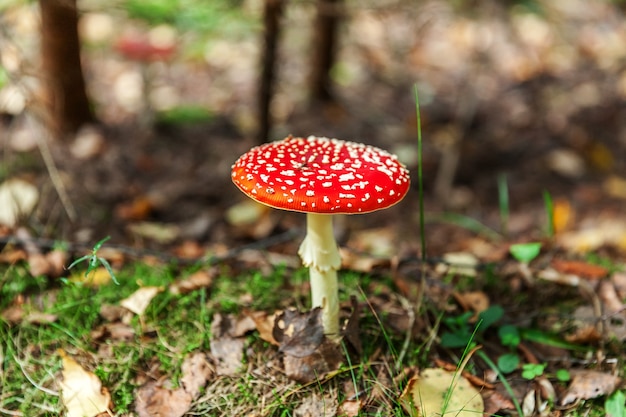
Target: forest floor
523,116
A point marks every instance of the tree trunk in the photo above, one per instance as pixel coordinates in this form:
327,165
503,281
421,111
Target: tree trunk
65,93
271,19
324,49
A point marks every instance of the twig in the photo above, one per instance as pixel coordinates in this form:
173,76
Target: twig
57,182
35,384
10,412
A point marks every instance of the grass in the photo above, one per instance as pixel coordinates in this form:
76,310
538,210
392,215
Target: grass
172,326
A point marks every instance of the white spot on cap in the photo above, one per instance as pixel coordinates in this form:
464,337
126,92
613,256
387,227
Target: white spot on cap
346,177
310,193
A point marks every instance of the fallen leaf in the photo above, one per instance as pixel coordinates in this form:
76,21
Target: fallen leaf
196,281
140,299
111,312
429,394
563,215
265,323
305,369
580,268
476,301
81,391
196,371
226,349
153,400
458,263
96,278
113,331
138,209
158,232
589,384
350,408
299,333
495,402
566,162
615,187
317,405
17,198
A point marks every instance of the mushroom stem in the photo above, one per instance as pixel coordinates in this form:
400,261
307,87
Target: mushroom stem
320,253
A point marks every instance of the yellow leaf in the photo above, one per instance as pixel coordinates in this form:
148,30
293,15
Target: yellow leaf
429,395
96,278
81,391
562,215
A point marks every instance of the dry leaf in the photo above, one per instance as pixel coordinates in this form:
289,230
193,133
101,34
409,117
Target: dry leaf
81,391
350,408
17,198
113,331
196,371
153,400
265,323
304,369
589,384
458,263
476,301
140,299
496,401
197,280
299,334
580,268
317,405
563,215
226,349
427,394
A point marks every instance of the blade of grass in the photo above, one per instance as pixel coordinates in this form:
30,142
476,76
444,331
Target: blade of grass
549,208
503,203
420,178
502,379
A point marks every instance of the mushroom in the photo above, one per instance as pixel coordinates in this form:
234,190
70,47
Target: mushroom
321,177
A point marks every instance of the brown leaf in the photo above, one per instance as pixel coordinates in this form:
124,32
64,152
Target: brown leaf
155,401
317,405
111,312
495,402
265,323
113,331
589,384
476,301
195,281
196,371
350,408
226,349
351,332
324,359
299,334
579,268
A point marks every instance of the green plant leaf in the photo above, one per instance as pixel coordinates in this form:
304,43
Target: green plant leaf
490,316
533,370
525,252
614,405
538,336
455,340
509,335
508,362
563,375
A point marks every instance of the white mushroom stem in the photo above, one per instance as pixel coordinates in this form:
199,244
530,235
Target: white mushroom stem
319,252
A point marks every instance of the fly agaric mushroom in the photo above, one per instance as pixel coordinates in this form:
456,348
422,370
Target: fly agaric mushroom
321,177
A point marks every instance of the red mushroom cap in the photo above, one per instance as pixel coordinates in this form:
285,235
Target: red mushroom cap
321,175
